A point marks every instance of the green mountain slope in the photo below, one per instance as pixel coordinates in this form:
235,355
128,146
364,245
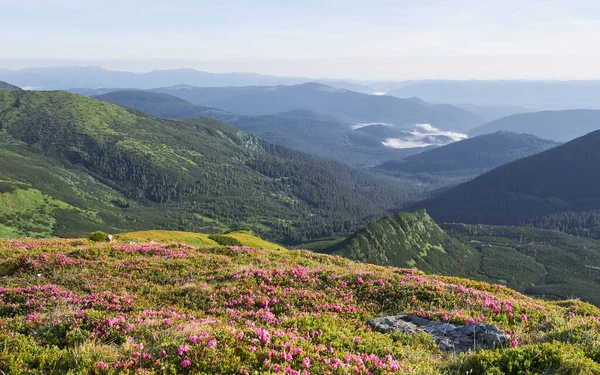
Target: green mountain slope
541,263
345,105
158,104
40,197
562,181
479,153
194,174
463,160
409,240
537,262
8,86
561,126
302,130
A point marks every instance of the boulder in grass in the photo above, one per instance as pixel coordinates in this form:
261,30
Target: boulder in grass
448,337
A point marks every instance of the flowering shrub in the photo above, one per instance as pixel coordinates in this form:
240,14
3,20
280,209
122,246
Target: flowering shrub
112,308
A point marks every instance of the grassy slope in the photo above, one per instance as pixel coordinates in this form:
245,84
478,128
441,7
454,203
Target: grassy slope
65,200
203,175
166,236
409,240
245,237
39,197
95,308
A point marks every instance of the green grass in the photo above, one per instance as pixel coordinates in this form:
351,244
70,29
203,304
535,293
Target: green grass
248,238
28,213
164,236
244,237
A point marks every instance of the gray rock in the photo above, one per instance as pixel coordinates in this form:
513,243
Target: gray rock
448,337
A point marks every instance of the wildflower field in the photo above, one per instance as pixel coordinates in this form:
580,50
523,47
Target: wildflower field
69,306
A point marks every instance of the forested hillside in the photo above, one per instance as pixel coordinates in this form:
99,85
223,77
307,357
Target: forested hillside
8,86
463,160
537,262
301,130
546,189
409,240
205,173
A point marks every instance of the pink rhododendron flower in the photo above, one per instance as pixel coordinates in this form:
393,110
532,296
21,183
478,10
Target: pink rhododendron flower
183,349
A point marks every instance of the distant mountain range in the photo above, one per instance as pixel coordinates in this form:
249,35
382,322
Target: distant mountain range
559,126
534,94
77,77
494,112
466,159
555,189
495,99
71,164
345,105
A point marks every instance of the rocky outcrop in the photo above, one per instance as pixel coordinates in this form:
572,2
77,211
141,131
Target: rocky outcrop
448,337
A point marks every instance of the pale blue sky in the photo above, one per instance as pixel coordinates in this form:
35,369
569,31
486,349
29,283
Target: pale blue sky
376,39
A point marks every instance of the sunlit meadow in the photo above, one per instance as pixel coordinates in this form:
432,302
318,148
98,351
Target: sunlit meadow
79,307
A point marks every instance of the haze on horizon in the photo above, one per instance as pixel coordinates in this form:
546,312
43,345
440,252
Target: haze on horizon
368,40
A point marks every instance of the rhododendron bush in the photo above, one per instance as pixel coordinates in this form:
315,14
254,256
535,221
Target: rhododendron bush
112,308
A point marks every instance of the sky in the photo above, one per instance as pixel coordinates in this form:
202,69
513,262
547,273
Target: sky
359,39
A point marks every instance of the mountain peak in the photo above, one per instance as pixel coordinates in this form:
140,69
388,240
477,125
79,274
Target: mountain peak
319,87
409,240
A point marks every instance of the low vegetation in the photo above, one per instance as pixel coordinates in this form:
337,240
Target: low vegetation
238,237
74,306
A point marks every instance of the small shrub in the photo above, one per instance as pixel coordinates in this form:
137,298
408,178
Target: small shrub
579,307
224,240
99,237
546,358
240,229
